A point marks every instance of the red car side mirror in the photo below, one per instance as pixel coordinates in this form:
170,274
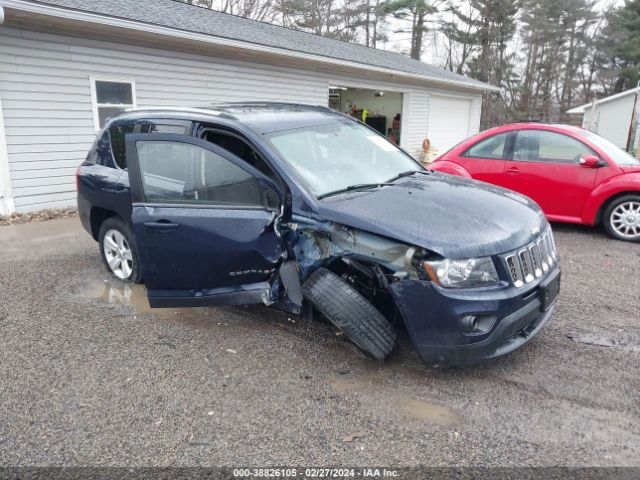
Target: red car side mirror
591,161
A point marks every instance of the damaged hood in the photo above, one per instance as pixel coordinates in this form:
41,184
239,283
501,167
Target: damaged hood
453,216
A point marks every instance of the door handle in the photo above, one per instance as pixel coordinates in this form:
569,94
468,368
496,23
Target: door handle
512,171
162,225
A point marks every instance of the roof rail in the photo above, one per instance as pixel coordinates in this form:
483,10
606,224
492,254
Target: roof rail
173,109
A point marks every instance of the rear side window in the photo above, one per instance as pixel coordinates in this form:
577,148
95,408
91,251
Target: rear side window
548,147
117,134
241,149
176,172
492,147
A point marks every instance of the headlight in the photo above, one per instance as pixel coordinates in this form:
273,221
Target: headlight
467,273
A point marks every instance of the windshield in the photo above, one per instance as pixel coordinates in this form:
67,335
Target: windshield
616,153
339,155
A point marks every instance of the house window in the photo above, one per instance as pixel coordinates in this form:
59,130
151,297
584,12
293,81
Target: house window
110,97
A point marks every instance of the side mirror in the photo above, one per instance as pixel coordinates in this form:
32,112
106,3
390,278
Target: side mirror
272,196
591,161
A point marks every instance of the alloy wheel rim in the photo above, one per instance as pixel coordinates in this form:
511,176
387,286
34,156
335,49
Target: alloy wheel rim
118,254
625,220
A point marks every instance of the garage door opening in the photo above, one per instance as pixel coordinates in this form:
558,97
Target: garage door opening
381,110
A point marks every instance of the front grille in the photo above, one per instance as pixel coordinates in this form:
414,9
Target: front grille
533,260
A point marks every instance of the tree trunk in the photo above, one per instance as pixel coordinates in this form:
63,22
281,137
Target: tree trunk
418,34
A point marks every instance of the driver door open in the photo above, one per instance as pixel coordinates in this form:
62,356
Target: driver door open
203,221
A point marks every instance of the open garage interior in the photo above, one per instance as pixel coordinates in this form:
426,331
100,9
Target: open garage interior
381,110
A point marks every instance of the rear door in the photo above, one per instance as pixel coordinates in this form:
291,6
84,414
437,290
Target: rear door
545,167
485,160
203,220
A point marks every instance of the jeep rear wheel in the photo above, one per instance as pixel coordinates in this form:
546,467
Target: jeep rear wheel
119,251
352,313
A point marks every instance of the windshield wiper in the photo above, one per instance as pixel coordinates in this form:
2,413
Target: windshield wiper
409,173
352,188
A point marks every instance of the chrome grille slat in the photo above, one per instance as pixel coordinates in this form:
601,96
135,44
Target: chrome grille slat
534,250
532,260
514,270
525,264
543,255
549,248
552,241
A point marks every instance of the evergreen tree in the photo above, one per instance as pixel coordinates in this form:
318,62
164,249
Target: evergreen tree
625,38
417,12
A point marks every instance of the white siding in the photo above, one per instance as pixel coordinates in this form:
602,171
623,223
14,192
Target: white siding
476,114
614,118
415,122
46,94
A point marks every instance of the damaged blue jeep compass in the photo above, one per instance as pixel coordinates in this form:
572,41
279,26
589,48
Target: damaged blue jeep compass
304,209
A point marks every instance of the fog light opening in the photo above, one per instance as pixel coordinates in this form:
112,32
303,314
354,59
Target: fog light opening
477,324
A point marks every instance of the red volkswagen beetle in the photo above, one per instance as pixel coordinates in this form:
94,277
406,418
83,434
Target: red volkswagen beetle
575,175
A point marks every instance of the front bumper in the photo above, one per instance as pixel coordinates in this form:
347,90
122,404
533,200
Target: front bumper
434,318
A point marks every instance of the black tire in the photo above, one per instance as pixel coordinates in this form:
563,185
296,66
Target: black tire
607,220
115,223
350,312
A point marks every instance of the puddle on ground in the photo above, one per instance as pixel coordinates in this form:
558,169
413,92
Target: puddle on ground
131,295
429,412
257,318
369,385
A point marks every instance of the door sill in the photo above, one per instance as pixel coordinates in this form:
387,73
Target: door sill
217,297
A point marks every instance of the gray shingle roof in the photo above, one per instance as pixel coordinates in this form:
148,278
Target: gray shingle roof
178,15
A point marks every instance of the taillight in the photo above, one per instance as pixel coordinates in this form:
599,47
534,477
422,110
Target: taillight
78,179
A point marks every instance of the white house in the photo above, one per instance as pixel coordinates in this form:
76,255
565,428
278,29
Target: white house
614,117
68,65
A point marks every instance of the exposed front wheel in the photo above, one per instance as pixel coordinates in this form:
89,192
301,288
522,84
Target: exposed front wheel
622,218
352,313
119,251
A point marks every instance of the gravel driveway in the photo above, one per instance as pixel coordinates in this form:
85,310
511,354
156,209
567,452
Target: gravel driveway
89,375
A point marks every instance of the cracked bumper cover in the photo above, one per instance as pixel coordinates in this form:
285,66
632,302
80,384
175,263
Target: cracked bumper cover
433,317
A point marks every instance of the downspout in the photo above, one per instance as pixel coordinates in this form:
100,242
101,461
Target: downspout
632,123
593,124
6,191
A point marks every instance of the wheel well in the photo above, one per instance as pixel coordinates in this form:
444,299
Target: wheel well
98,216
608,201
370,280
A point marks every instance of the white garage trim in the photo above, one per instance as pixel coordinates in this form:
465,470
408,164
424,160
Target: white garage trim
6,193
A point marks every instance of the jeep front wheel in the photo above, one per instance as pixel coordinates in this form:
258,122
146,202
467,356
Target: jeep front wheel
352,313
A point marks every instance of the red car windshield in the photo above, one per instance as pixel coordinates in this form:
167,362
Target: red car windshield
618,155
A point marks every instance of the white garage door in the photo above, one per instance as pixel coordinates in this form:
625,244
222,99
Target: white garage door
448,121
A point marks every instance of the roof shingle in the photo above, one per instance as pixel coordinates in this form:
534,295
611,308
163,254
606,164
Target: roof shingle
181,16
